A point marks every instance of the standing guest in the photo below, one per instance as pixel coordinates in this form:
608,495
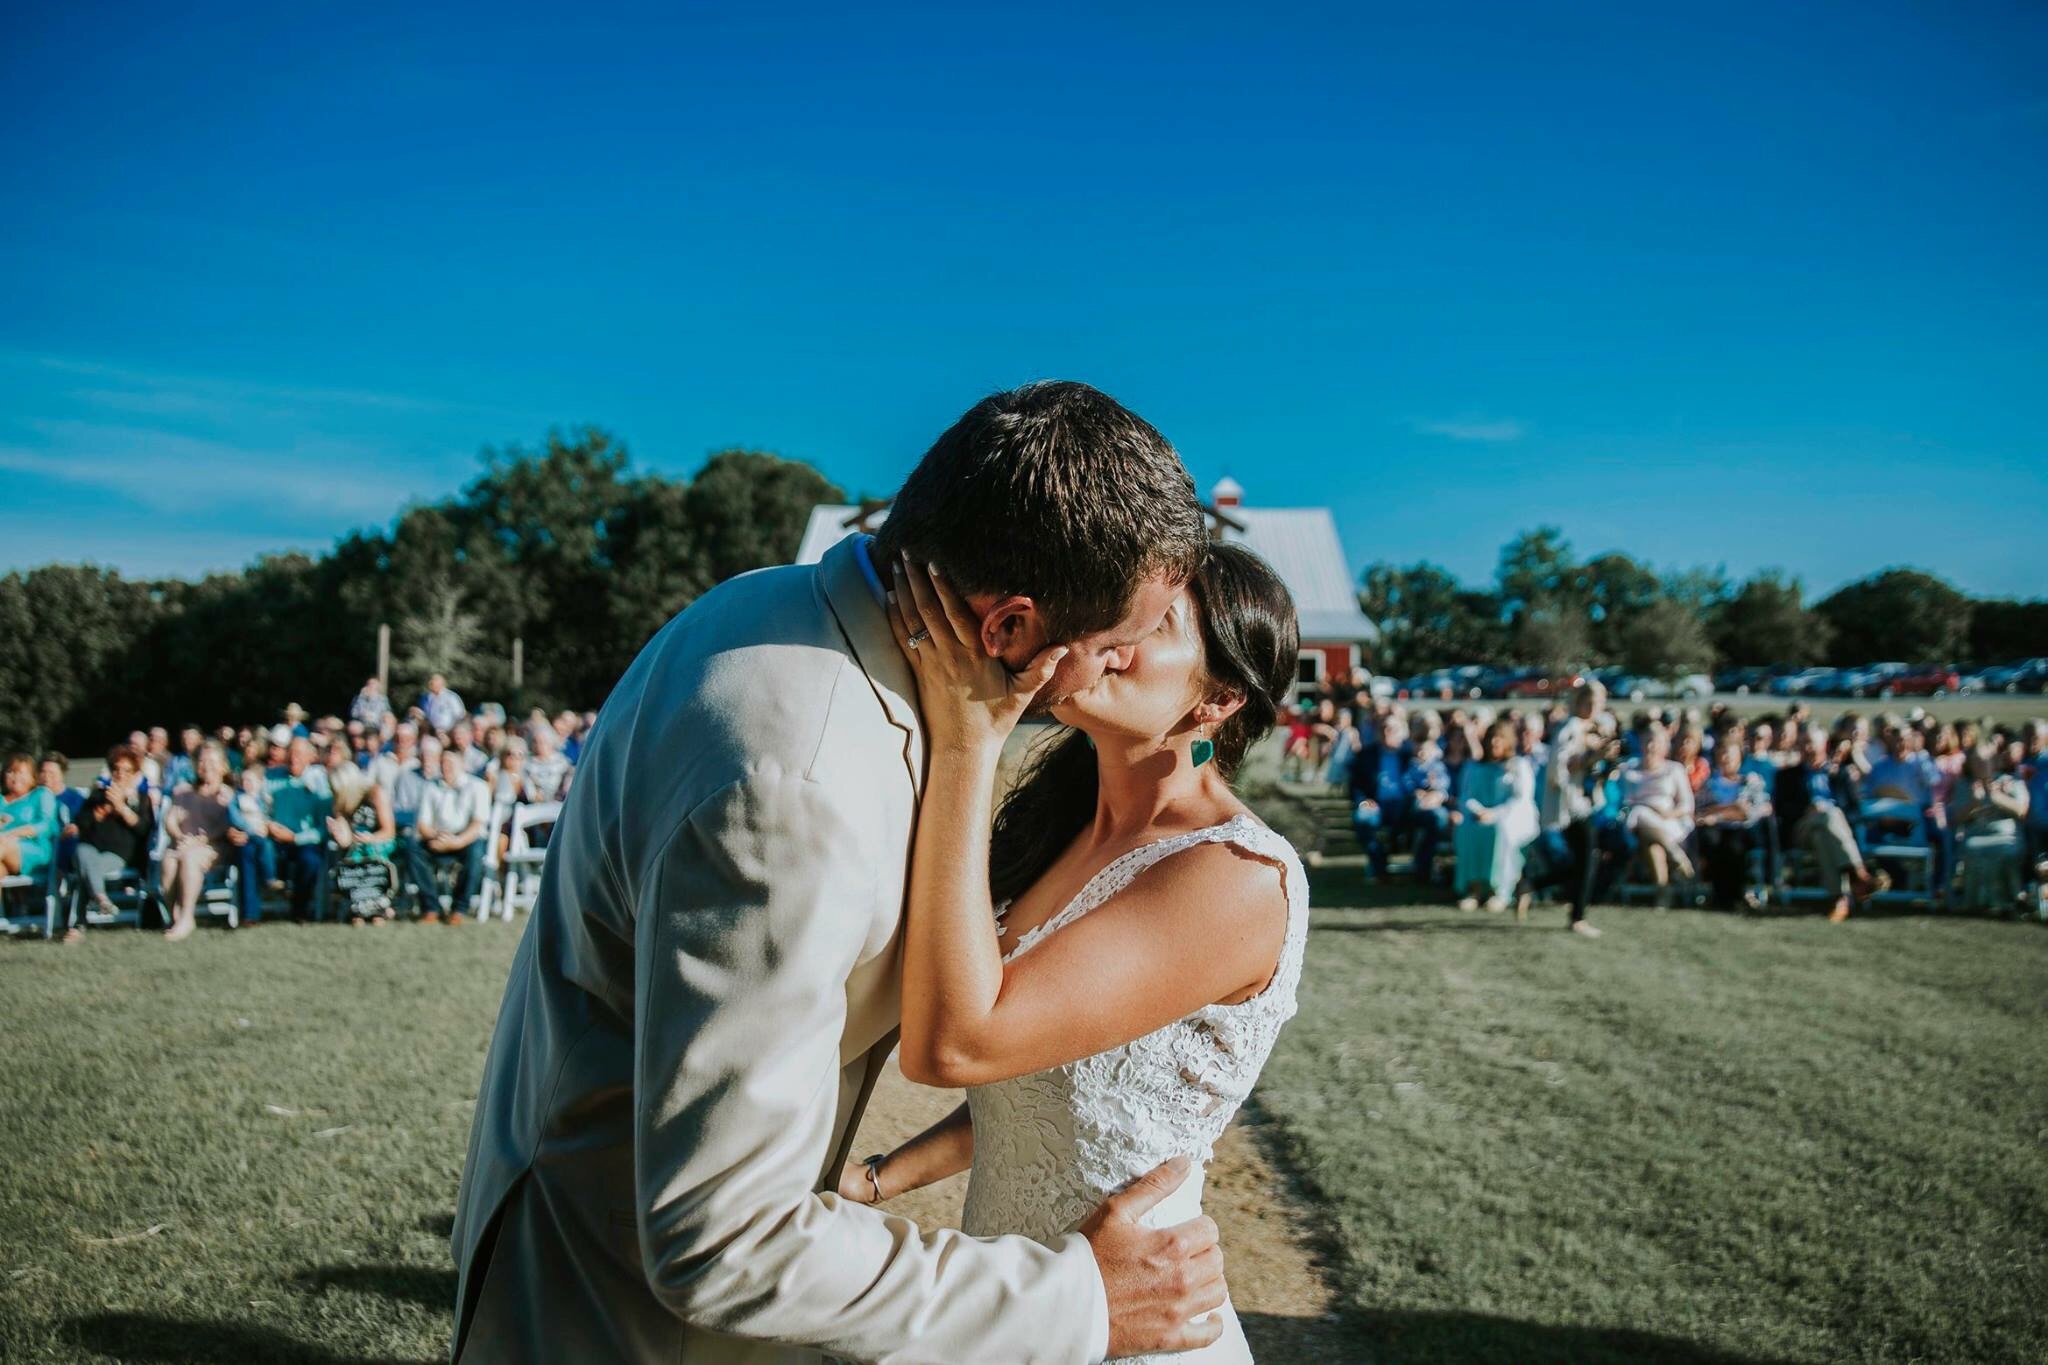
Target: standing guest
1529,741
299,806
363,832
1733,813
547,771
1564,808
454,818
1657,808
441,704
1299,747
1343,748
370,705
114,828
1497,799
30,820
1807,798
55,771
1987,809
1379,794
197,825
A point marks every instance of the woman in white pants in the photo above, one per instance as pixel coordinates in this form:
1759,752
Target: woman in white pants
1656,801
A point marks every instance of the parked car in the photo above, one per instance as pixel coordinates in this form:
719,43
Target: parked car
2028,675
1806,682
1868,681
1527,683
1756,678
1467,681
1642,687
1922,680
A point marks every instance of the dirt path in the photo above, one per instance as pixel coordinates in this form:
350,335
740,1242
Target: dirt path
1274,1278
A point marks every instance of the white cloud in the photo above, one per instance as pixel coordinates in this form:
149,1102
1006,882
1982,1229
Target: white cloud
1475,429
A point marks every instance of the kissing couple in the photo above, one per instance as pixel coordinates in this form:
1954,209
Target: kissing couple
782,860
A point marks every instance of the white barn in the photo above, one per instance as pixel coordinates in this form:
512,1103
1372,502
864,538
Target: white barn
1299,542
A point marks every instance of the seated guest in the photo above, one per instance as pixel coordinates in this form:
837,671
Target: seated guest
1688,751
1343,748
403,756
1431,813
462,743
1497,800
56,775
1732,812
1987,808
547,770
299,805
114,829
508,777
30,820
1762,761
197,825
362,830
1657,806
455,816
1807,800
1379,793
2034,773
1898,791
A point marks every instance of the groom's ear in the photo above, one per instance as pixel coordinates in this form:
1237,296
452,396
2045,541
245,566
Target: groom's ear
1011,628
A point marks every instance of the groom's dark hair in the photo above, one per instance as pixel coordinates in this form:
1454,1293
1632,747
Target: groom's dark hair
1055,491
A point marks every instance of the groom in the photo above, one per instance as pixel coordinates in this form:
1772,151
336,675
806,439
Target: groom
709,985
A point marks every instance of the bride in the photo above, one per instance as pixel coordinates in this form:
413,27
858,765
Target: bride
1105,963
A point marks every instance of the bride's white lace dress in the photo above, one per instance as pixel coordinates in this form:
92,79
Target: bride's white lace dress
1048,1147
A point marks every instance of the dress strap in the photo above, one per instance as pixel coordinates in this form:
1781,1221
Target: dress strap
1241,830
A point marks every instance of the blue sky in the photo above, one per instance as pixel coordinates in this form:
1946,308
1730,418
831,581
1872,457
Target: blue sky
1754,285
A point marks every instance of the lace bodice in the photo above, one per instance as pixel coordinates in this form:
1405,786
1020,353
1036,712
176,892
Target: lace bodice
1049,1146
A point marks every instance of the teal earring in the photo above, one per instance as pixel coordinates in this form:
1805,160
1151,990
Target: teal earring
1202,750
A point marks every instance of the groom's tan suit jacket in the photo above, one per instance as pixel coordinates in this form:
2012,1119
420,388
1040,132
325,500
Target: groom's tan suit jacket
701,1001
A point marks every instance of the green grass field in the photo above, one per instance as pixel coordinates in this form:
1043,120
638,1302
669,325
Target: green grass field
1703,1138
1700,1139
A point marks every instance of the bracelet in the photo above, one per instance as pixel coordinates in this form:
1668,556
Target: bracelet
874,1170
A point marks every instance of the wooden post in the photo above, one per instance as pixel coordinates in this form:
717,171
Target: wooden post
518,663
384,656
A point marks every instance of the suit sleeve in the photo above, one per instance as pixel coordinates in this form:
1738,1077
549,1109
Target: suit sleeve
755,914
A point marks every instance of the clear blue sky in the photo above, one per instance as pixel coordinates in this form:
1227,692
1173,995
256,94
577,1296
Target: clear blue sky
1753,285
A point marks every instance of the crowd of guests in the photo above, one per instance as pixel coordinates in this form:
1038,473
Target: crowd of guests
424,791
1569,799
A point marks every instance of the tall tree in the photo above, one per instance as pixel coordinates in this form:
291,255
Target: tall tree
1538,566
2002,629
1552,633
1900,614
1427,620
1665,639
1768,622
1616,590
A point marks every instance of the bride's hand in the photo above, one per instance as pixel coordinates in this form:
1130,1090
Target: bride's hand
969,698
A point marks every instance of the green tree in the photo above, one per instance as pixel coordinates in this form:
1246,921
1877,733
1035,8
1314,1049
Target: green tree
1428,620
1616,590
1538,567
1897,614
1768,622
2002,629
1664,639
746,509
1553,633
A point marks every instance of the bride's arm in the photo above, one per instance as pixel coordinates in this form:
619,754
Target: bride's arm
1201,927
946,1148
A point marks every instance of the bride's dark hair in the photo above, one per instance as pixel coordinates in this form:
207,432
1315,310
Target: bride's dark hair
1250,646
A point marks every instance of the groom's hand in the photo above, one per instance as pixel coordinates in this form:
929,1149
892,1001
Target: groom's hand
1158,1280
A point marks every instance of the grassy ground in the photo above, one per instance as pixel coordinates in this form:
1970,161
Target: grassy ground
1703,1138
243,1149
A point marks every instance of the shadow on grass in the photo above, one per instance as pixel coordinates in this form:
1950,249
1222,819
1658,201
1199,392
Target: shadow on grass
147,1337
441,1225
1414,1337
415,1284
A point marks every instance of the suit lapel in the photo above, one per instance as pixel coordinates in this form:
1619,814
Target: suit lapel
861,618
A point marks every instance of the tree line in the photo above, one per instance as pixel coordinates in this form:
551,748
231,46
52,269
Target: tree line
566,548
1550,608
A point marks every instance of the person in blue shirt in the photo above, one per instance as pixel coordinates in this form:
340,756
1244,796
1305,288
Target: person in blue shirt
55,772
299,804
1429,787
1379,794
1808,800
2035,774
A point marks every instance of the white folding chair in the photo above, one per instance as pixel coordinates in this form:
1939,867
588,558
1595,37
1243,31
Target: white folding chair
492,892
523,858
29,904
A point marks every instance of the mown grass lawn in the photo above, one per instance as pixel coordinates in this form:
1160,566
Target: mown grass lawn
244,1148
1701,1138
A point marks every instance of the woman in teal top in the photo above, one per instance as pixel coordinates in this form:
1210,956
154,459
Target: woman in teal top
29,820
1497,806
